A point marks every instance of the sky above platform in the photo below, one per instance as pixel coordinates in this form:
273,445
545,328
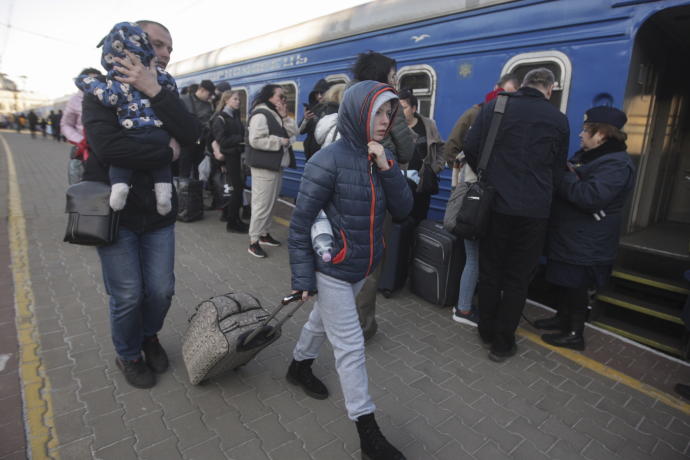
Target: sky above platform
45,43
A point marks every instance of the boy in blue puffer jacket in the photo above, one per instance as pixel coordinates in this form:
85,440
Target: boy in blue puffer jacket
355,181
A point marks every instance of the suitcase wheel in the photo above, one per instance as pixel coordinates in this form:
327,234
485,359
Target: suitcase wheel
387,293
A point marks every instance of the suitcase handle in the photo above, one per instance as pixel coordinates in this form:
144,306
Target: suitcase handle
283,302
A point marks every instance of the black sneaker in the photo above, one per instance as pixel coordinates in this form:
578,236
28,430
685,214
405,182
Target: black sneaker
136,372
156,357
268,240
256,251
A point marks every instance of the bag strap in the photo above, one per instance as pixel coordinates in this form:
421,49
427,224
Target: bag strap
499,110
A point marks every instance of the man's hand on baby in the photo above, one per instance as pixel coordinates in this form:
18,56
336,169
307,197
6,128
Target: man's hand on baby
143,78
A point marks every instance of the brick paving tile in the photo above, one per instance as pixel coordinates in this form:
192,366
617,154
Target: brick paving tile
438,395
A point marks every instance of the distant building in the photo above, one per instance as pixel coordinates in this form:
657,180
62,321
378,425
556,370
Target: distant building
12,99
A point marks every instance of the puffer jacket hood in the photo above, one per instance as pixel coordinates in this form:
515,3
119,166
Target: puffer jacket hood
356,112
355,194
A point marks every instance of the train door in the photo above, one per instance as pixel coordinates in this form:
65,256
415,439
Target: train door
657,99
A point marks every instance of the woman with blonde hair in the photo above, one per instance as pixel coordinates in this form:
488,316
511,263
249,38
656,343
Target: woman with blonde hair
326,131
228,132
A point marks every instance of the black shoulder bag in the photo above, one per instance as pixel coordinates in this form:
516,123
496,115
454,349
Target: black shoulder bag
473,217
91,221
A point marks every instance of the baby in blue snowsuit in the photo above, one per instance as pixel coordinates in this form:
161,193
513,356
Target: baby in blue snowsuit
134,110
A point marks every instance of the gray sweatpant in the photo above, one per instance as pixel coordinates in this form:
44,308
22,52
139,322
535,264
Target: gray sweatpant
334,316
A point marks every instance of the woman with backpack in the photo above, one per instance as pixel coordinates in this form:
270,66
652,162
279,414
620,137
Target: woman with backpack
228,131
355,181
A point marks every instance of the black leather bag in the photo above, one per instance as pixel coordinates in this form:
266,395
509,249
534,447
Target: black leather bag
473,216
91,221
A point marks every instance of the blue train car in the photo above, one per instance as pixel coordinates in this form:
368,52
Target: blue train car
628,53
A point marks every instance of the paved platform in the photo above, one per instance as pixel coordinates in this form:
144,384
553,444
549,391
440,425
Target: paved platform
438,395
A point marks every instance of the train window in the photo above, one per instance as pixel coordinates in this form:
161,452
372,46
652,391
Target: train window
421,79
290,92
555,61
242,92
338,78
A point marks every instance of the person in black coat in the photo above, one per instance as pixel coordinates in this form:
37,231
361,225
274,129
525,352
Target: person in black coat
585,222
228,131
312,113
527,162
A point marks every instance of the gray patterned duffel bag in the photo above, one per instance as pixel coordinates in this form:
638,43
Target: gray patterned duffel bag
227,331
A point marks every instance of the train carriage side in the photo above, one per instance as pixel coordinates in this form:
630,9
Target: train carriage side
452,61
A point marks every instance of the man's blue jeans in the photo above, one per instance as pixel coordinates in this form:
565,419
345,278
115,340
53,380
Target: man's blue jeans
138,276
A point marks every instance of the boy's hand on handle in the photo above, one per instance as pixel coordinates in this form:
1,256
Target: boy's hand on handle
304,295
143,78
379,154
175,146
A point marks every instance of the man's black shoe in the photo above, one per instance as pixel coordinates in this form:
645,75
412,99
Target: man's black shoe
299,373
156,357
136,372
236,226
555,323
571,339
500,356
373,444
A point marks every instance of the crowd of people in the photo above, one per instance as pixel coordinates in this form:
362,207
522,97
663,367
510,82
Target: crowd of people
47,124
364,172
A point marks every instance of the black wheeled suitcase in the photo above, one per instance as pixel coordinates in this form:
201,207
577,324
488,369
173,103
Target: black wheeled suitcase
397,261
437,261
190,199
225,332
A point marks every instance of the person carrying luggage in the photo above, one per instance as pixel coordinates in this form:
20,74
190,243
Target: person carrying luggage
355,181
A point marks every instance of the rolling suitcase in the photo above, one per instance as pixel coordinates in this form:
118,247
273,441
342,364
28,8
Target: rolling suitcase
397,261
190,199
437,261
227,331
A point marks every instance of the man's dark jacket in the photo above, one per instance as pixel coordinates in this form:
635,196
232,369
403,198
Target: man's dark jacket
110,144
529,155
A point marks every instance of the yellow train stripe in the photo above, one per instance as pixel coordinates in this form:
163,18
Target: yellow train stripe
648,282
608,372
38,405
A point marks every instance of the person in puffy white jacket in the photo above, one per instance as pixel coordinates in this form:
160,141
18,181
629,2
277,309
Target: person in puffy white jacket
326,131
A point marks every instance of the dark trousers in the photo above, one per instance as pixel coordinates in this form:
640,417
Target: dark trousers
508,257
190,157
572,305
233,168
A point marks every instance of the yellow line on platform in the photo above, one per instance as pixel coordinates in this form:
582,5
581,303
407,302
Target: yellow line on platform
38,404
613,374
281,221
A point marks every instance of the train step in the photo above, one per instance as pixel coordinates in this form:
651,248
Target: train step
674,286
668,343
645,304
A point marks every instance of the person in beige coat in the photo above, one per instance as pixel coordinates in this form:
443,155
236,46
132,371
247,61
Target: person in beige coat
268,153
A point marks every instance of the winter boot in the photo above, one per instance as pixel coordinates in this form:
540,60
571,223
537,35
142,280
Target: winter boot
373,444
299,373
